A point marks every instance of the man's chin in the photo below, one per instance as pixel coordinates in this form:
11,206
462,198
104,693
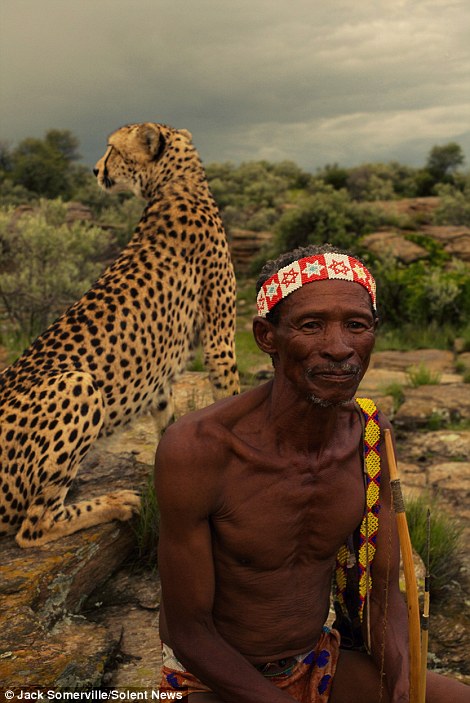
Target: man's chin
330,402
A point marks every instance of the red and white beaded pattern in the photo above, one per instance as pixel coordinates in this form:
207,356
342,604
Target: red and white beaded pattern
308,270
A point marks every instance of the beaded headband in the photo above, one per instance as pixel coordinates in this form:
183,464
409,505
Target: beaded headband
308,270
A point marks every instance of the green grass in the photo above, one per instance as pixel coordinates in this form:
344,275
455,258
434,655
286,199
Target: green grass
445,541
146,529
410,337
249,356
422,376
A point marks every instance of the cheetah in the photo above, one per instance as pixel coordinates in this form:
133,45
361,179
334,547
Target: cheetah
116,352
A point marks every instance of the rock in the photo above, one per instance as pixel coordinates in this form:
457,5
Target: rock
71,656
449,403
456,240
78,212
390,243
464,359
451,476
129,608
245,245
432,447
192,391
435,360
42,589
413,476
377,383
423,207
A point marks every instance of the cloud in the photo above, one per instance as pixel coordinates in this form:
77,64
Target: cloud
316,82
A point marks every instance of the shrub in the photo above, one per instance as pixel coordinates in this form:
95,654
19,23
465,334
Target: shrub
45,266
327,216
454,207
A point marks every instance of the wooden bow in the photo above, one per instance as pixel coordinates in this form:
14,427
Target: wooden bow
410,576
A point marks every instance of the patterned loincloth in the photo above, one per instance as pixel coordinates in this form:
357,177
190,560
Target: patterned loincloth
306,677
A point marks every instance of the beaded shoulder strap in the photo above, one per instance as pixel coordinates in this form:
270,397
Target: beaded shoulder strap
370,522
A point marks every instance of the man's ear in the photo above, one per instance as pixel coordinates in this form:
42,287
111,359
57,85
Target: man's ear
264,332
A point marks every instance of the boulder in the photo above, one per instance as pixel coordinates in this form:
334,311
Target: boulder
455,240
390,243
450,403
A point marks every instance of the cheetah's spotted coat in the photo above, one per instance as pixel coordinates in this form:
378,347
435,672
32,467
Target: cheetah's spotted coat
116,351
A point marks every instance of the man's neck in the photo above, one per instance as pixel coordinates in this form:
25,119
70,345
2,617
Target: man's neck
302,424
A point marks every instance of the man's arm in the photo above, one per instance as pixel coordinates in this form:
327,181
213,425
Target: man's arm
188,483
388,612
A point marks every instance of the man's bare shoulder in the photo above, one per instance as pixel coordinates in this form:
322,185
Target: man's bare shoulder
208,433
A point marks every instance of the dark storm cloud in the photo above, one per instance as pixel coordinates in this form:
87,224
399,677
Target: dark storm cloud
318,83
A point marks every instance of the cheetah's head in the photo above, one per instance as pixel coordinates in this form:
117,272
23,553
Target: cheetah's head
131,155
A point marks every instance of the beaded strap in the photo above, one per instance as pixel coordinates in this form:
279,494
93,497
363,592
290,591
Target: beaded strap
370,522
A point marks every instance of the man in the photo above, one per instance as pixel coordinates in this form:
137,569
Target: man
259,493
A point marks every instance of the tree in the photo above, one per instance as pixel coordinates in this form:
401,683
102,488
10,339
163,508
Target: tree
63,141
444,160
45,166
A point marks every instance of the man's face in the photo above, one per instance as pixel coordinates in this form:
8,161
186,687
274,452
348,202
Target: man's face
324,338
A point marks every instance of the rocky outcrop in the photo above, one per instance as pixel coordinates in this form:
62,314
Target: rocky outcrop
439,403
42,591
45,591
395,244
245,245
455,240
424,208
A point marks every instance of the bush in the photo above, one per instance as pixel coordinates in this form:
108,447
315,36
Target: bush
45,266
328,216
421,294
454,207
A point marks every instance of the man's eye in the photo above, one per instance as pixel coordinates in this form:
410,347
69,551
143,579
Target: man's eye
310,325
356,325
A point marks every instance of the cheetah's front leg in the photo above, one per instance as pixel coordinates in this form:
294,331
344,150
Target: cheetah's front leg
48,518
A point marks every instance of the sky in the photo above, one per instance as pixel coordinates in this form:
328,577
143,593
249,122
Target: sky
313,81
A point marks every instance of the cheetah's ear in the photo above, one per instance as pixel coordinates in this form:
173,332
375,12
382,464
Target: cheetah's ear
186,134
152,140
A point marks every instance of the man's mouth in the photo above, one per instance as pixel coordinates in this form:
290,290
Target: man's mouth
334,372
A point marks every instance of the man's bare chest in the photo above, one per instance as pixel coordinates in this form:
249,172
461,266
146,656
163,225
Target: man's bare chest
298,513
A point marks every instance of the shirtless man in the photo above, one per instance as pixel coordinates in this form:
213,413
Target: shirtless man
258,493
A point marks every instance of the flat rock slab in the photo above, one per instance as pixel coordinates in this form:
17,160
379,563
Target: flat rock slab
435,360
128,607
449,402
41,590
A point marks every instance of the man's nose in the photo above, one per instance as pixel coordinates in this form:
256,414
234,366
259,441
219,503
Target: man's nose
336,345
